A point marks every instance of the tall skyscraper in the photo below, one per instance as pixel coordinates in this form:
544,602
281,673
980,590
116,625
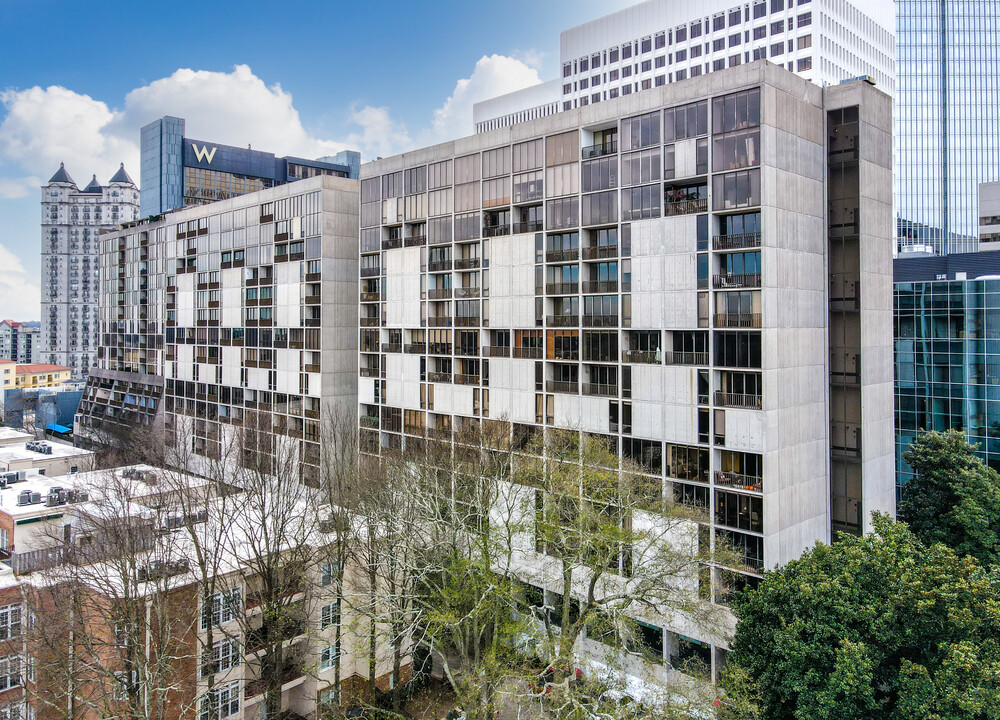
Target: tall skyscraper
72,219
658,42
698,275
948,127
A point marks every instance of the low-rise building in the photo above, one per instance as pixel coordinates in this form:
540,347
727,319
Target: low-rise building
50,458
19,341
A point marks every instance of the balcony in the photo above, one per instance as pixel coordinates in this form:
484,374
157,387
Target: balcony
739,481
469,263
740,401
369,421
562,386
600,252
737,241
415,240
640,356
439,294
439,321
571,288
466,292
439,265
392,347
685,206
466,379
593,151
556,256
530,226
368,321
600,390
371,271
439,377
730,281
496,351
415,348
679,357
496,230
562,320
392,243
737,320
600,321
527,353
370,297
369,372
439,348
600,286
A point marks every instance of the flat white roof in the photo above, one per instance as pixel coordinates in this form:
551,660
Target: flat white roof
20,451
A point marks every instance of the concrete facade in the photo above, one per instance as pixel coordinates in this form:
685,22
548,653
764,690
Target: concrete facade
653,270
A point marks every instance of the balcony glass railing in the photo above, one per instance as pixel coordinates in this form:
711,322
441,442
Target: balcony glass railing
592,151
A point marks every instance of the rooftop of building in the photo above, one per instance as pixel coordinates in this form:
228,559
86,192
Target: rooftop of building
12,436
954,266
38,450
61,176
27,368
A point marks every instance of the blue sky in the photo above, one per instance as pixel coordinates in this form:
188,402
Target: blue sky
78,80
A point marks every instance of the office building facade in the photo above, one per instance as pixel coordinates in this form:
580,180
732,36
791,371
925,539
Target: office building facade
678,272
72,219
179,172
947,127
947,338
19,341
659,42
218,313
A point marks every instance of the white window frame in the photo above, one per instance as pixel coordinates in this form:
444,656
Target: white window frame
10,621
224,655
329,615
224,608
10,672
327,656
221,702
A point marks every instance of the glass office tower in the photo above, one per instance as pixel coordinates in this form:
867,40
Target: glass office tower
948,118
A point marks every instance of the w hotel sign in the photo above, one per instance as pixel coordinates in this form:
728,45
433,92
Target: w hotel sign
203,153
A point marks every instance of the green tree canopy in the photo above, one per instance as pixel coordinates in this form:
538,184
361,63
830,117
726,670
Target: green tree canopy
879,627
954,498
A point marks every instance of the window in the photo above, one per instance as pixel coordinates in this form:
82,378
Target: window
562,213
221,702
641,167
735,190
777,27
719,22
680,56
743,512
696,29
327,657
584,65
567,70
641,202
685,122
613,55
805,19
595,60
600,174
734,39
223,608
660,40
560,149
496,162
641,131
10,621
804,64
330,614
328,574
601,208
224,655
646,45
10,671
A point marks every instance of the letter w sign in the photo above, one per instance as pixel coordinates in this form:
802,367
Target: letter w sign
204,154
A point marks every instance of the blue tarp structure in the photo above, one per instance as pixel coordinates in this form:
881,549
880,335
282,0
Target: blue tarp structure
62,429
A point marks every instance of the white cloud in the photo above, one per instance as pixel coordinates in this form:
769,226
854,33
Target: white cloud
381,136
16,188
20,295
493,75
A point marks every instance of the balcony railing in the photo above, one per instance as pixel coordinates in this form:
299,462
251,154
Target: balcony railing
496,351
529,226
369,372
466,379
392,243
439,321
370,271
439,265
466,292
469,263
737,320
740,401
736,241
415,240
600,286
467,321
600,389
415,348
392,347
527,353
442,377
600,252
439,293
685,207
600,321
370,297
439,348
562,320
562,255
738,480
562,386
726,281
592,151
369,321
570,288
496,230
674,357
640,356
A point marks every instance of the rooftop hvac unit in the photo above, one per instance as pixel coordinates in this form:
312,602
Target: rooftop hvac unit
24,498
36,497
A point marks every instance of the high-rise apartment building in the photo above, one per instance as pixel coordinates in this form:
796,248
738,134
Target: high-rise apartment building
947,321
947,128
699,274
72,219
19,341
216,313
658,42
178,172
